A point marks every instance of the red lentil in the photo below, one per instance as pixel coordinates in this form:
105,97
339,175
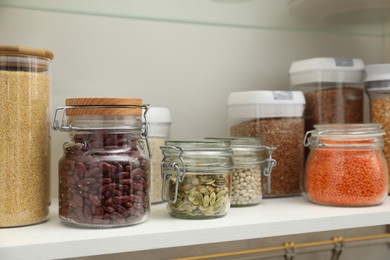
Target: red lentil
346,176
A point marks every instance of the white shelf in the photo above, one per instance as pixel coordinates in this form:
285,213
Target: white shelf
273,217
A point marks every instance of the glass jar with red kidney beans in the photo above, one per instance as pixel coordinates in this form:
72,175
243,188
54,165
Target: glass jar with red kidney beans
104,173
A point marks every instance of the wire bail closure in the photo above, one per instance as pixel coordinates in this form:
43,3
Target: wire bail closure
61,125
308,134
271,163
175,166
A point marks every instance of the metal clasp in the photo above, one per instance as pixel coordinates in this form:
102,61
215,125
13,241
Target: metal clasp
308,134
271,163
180,169
145,128
61,124
338,247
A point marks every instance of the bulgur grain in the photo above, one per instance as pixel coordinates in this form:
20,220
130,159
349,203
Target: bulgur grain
380,113
25,148
286,134
334,105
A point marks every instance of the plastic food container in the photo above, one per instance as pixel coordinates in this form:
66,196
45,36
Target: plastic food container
333,89
346,165
159,119
25,92
377,85
104,173
277,118
197,177
250,161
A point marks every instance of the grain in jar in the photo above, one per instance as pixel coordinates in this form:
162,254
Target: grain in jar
377,85
197,177
277,118
25,78
159,119
333,89
346,165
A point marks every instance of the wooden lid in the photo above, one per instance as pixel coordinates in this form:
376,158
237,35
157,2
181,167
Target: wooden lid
25,51
84,103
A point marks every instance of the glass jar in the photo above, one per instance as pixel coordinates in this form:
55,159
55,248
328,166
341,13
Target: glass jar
104,174
346,165
333,89
277,118
196,178
377,85
250,162
159,119
25,79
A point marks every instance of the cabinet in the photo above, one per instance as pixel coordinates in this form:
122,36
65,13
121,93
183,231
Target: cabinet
347,16
171,47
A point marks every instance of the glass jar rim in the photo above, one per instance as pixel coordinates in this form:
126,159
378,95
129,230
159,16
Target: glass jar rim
349,129
199,144
356,135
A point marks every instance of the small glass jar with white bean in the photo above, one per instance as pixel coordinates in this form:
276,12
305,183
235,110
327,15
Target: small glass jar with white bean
251,160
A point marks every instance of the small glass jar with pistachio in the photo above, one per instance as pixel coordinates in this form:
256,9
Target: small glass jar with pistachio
197,178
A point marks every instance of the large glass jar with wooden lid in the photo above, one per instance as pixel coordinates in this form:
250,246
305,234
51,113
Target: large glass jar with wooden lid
104,173
25,79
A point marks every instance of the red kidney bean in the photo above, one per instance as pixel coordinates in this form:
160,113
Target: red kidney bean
92,172
97,188
81,168
94,163
99,212
95,200
106,180
117,192
138,173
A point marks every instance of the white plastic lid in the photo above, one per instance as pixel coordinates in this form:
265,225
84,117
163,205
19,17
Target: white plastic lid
266,104
159,119
377,72
341,70
158,115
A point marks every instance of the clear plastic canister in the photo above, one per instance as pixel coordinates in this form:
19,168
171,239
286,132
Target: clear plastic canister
377,85
277,118
346,165
333,89
159,119
104,173
197,177
25,79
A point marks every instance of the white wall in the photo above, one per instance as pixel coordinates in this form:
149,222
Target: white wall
191,69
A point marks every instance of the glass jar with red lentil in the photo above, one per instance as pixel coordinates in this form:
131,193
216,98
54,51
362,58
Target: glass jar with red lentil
346,165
